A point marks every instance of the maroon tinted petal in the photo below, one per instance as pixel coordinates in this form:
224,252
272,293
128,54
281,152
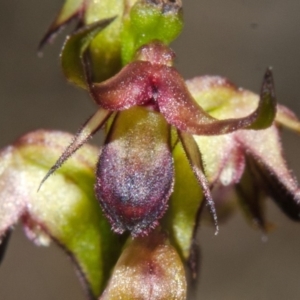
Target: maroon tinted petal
194,157
92,125
181,110
265,148
131,86
135,171
223,158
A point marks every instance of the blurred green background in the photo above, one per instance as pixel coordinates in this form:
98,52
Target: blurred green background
236,39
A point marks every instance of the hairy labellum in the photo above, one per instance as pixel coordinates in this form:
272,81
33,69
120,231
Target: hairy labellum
135,171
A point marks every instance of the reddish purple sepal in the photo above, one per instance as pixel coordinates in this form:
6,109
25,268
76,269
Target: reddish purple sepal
158,85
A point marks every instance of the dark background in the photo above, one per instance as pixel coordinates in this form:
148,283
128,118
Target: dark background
234,38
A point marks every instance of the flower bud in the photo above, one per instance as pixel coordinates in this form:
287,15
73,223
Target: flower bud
149,268
151,20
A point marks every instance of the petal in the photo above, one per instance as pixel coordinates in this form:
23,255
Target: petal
149,268
224,164
184,204
71,9
181,110
12,204
226,200
105,49
72,55
135,171
215,93
265,148
183,215
65,209
194,156
217,151
91,126
287,118
221,98
131,86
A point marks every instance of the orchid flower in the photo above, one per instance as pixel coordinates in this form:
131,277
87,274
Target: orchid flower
135,173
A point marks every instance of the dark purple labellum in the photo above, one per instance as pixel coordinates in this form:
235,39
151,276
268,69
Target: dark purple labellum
135,171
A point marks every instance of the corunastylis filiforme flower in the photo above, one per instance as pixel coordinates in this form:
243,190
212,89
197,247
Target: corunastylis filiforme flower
135,173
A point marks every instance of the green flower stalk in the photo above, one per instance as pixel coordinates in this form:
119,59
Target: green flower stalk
127,214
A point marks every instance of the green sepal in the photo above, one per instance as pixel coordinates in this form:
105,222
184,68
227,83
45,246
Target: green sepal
72,55
65,208
183,204
105,49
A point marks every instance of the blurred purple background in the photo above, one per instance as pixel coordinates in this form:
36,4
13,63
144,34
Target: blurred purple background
236,39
